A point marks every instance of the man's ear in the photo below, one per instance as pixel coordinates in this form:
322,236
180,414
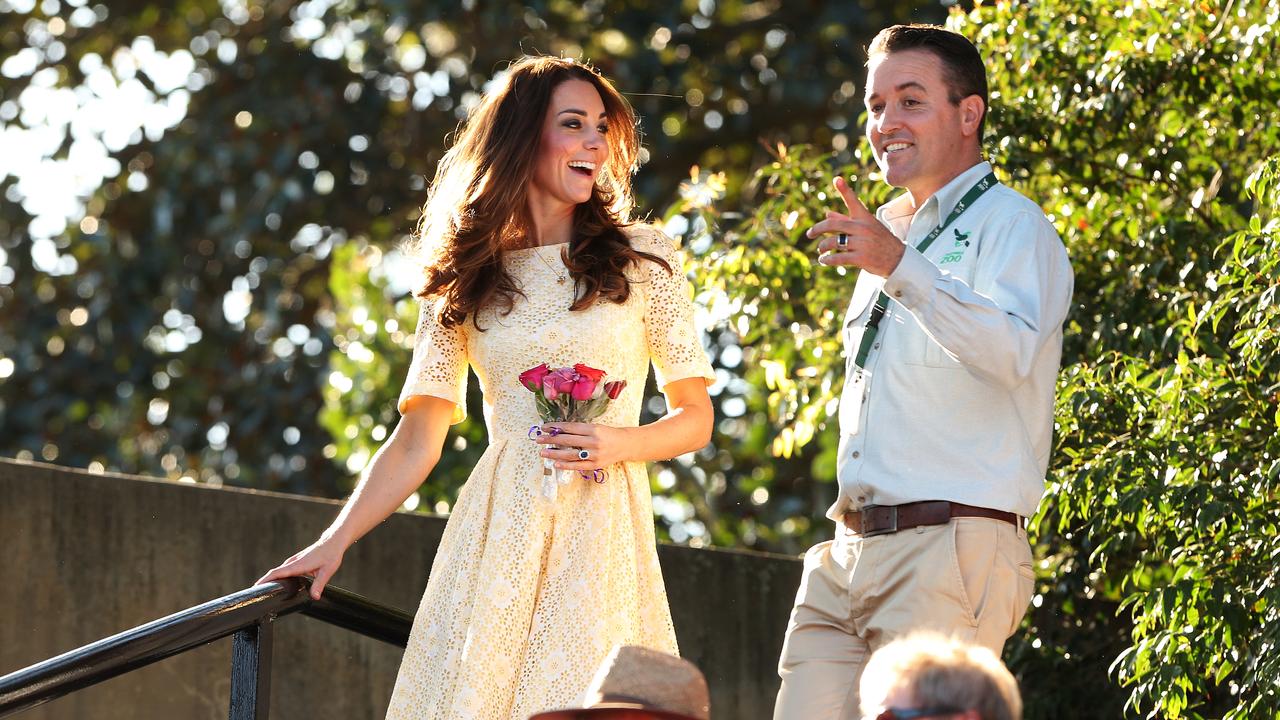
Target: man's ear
971,109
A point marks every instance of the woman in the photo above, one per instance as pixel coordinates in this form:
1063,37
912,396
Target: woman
529,258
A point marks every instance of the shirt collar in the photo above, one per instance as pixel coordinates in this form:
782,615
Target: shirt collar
944,200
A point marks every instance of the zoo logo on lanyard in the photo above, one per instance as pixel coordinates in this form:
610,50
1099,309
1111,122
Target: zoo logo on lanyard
882,301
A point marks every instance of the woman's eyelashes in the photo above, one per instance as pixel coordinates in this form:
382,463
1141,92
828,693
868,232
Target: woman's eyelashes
577,125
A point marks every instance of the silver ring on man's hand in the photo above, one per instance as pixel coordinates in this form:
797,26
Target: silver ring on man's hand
584,455
842,240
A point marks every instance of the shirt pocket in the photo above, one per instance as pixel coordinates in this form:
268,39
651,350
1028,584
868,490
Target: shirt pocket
936,357
864,294
918,348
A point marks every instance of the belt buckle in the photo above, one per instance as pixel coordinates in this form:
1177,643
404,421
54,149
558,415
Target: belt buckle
891,528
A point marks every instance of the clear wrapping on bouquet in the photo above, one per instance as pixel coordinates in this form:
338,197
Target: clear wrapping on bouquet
569,394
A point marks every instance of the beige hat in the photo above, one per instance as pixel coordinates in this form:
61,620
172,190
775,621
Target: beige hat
637,678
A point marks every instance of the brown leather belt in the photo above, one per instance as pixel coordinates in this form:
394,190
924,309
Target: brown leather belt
875,520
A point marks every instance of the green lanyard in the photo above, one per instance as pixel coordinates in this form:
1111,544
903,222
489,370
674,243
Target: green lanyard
882,302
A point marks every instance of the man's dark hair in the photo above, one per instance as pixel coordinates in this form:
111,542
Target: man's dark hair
962,67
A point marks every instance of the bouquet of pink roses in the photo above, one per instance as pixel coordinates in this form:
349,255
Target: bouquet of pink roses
568,394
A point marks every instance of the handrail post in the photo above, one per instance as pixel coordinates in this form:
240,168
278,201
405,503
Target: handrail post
251,672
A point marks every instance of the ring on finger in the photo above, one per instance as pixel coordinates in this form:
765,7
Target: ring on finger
584,455
842,240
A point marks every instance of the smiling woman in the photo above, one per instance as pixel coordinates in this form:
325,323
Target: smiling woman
528,592
491,194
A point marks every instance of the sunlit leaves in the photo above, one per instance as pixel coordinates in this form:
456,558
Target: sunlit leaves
1135,130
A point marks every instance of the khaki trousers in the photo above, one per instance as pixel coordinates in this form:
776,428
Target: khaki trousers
971,578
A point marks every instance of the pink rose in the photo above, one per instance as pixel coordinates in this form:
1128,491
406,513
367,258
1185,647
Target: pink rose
532,378
614,389
562,379
549,390
583,389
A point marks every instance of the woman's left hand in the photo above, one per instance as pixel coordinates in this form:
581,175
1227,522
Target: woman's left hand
604,445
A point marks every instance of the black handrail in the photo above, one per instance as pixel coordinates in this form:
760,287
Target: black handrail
358,613
247,614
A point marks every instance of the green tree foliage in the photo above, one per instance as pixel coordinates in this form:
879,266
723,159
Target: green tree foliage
1149,133
223,304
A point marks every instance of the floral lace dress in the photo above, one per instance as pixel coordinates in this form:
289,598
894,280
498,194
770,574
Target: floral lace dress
527,595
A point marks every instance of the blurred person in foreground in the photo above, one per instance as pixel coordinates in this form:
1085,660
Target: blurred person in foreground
531,259
635,683
927,675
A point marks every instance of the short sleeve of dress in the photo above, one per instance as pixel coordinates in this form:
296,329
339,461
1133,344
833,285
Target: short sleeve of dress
439,366
674,342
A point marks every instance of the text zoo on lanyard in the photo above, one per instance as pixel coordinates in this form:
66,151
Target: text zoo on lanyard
882,302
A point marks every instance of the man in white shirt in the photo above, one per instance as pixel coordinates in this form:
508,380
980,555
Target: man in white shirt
953,340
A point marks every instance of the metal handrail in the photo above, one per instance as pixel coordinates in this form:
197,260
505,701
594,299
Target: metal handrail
246,614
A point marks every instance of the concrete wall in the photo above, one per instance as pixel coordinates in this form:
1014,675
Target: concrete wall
85,556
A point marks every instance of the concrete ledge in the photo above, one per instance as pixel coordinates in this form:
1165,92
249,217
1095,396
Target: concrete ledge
88,555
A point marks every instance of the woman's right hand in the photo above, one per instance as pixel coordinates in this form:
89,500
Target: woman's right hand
320,560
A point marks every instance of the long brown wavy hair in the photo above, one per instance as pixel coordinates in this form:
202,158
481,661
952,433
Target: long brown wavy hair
478,203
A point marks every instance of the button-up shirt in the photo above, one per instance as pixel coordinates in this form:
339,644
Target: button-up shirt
956,399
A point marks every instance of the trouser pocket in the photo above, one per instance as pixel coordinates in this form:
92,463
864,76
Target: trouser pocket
974,548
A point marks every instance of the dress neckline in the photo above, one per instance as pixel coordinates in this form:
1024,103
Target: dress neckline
537,247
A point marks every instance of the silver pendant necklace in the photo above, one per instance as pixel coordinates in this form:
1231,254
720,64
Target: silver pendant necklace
560,274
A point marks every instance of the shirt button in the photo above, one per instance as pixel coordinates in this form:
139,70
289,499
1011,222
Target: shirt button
856,454
897,293
862,498
876,346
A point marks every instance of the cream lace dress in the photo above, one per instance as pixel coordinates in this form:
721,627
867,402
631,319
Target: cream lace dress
527,595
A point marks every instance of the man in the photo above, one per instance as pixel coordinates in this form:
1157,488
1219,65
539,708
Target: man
929,676
953,340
